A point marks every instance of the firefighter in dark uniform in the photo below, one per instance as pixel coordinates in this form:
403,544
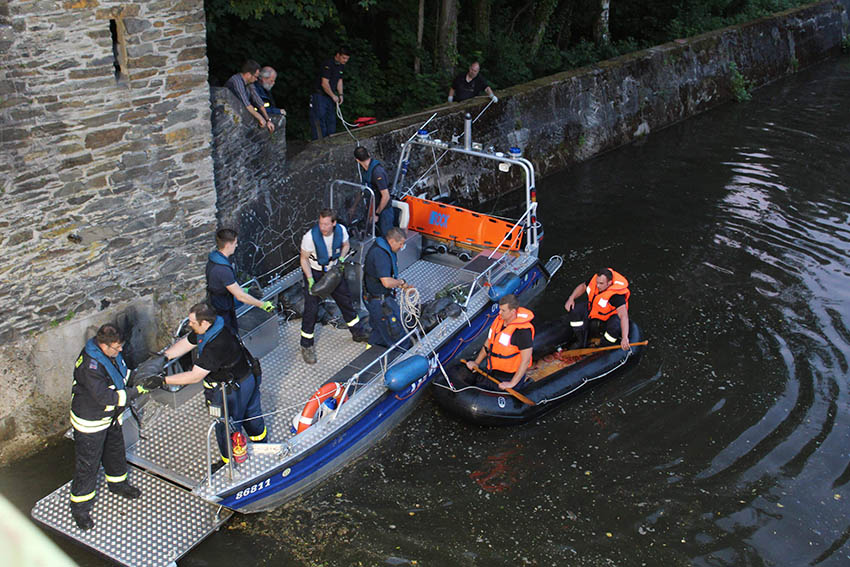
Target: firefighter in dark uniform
321,248
507,353
223,291
606,312
98,400
373,174
221,360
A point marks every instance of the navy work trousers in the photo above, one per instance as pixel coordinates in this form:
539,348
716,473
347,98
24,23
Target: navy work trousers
385,320
322,115
243,403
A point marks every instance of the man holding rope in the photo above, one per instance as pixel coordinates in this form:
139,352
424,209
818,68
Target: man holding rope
324,100
380,281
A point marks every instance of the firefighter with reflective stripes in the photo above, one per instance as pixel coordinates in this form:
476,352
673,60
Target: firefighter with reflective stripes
222,361
507,353
322,247
607,308
99,397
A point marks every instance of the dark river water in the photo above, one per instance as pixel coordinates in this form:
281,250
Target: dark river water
729,444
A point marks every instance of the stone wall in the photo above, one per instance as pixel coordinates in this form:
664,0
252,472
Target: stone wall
107,178
558,120
107,183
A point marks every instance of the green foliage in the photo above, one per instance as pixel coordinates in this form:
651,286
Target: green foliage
740,85
520,41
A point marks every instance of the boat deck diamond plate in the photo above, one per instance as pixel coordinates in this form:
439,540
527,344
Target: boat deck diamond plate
175,439
155,530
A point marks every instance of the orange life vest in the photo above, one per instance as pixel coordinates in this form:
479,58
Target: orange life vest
600,307
501,354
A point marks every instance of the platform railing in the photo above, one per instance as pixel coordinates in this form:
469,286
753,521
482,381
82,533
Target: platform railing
382,361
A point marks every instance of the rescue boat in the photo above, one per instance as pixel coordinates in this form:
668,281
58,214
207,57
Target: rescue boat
320,417
554,377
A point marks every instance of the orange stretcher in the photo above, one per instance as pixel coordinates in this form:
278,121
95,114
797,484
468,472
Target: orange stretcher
461,226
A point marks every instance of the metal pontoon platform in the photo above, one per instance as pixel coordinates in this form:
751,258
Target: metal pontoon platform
155,530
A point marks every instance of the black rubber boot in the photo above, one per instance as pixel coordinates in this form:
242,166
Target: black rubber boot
124,489
82,517
360,336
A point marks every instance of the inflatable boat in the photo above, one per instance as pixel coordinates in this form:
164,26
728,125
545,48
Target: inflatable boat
554,376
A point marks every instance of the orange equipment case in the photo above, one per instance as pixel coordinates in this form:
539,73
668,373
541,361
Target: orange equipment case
461,226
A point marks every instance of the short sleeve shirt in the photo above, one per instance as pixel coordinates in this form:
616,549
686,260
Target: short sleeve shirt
219,277
522,339
332,71
465,90
378,265
379,179
218,356
308,245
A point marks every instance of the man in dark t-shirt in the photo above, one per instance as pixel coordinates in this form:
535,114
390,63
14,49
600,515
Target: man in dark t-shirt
223,292
470,84
221,359
606,311
506,354
323,101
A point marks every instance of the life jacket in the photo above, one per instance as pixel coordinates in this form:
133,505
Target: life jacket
117,370
88,414
321,250
375,283
220,300
367,177
501,354
226,371
600,307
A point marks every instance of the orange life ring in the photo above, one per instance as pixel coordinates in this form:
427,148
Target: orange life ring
330,390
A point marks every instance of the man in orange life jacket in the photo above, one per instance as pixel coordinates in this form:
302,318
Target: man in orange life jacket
509,343
607,307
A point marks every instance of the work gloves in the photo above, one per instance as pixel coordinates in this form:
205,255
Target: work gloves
494,98
145,385
451,98
268,306
310,282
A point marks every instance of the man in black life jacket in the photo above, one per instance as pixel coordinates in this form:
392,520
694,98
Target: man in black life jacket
223,291
607,308
221,360
322,247
373,174
98,400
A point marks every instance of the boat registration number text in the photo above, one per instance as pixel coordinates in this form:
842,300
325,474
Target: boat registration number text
254,488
